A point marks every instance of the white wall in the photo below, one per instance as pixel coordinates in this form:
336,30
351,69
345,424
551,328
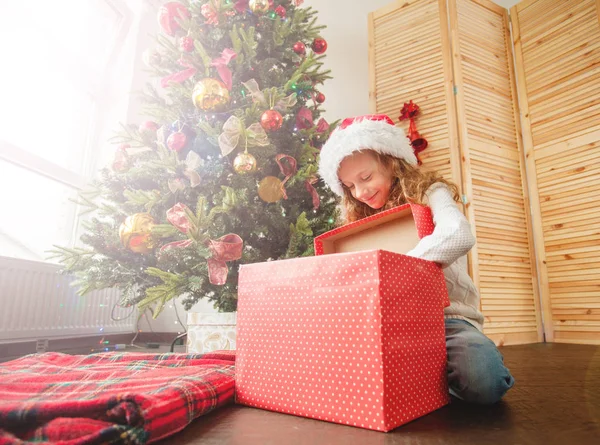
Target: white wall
347,94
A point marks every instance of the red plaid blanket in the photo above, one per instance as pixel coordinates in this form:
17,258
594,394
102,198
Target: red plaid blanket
109,398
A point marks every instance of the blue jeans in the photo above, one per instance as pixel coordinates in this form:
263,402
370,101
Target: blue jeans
476,371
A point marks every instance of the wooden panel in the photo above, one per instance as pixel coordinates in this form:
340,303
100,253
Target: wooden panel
557,49
493,171
406,65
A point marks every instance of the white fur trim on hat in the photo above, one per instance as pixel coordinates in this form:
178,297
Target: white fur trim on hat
377,133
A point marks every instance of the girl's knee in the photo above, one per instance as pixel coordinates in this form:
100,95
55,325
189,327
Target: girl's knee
478,374
486,389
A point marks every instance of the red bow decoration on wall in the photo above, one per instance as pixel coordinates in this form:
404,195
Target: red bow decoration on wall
419,143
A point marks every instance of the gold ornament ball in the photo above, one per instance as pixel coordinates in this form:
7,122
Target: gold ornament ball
244,163
270,189
211,95
259,6
135,233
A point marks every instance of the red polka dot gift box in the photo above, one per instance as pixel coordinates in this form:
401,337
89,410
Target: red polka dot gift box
355,338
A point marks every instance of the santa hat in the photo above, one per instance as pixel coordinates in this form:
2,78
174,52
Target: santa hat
375,132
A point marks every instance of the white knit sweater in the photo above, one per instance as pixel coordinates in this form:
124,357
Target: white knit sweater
448,245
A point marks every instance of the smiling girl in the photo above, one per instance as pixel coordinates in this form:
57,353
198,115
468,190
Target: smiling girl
370,164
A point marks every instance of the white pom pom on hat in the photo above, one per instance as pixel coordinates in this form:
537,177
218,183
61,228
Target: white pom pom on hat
375,132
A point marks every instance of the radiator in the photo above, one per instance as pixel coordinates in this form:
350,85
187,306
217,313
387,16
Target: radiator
36,301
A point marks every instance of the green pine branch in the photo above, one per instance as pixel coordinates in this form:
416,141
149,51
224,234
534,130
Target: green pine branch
143,198
70,257
157,296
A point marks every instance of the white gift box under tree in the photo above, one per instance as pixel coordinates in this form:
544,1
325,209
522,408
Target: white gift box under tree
210,331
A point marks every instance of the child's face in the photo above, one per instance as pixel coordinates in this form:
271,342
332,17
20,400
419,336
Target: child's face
366,178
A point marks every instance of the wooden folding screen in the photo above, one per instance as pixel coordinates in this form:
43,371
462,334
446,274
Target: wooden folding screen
557,48
456,63
406,62
493,170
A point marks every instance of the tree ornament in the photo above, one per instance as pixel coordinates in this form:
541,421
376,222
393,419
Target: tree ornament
258,6
135,233
227,248
270,189
271,120
151,57
168,15
271,71
221,63
280,11
409,112
148,129
319,45
304,119
244,163
241,6
121,162
210,13
299,48
320,98
211,95
186,44
176,141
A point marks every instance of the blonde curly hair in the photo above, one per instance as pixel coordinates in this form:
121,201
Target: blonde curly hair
409,185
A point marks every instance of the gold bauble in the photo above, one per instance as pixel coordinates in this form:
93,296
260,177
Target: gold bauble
211,95
135,233
244,163
259,6
270,189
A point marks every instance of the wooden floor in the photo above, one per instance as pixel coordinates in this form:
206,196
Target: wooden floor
556,400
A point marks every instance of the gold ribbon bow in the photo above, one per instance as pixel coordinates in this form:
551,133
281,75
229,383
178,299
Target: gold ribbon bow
233,131
268,100
191,164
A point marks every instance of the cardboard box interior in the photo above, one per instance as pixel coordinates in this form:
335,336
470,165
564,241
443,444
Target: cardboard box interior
395,232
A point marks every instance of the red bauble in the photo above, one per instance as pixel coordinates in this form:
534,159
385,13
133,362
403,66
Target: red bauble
148,129
121,163
187,44
319,45
300,48
177,141
167,15
320,98
280,10
271,120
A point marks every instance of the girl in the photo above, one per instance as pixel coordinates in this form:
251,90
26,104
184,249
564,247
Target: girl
370,164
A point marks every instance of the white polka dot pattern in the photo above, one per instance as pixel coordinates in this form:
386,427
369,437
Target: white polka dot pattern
353,338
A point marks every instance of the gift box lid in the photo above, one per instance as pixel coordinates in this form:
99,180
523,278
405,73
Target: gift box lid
399,229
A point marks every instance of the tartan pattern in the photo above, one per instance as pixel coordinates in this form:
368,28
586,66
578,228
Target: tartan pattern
109,398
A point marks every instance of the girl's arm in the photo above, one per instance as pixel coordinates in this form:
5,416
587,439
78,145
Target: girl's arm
452,237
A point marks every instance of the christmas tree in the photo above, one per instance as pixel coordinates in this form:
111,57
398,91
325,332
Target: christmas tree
224,171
